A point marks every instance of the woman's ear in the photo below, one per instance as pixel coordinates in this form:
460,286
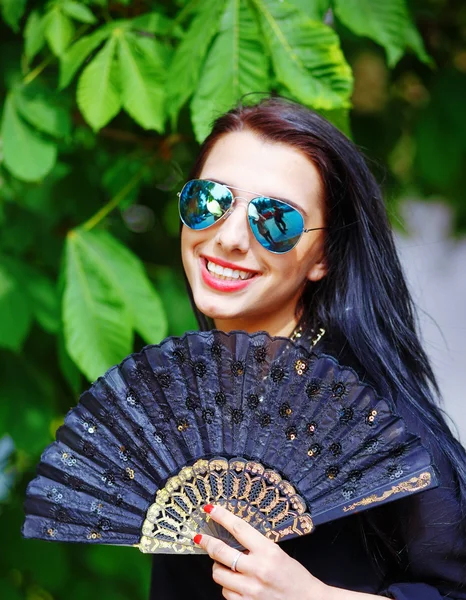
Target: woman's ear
318,270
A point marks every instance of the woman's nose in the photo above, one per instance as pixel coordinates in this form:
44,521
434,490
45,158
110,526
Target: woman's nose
233,232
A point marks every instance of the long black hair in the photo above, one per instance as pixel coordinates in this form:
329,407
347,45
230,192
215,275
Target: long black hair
364,297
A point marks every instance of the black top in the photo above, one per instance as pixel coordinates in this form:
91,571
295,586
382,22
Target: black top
410,549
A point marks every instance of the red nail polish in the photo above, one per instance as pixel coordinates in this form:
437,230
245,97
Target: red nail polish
209,508
197,538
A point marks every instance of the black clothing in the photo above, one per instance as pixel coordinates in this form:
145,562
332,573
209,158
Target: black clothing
410,549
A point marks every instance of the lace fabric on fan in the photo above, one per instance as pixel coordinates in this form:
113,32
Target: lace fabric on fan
326,441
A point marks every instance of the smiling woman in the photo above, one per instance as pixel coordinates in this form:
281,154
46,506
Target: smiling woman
266,300
284,230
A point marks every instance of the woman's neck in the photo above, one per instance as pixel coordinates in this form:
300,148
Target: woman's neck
284,327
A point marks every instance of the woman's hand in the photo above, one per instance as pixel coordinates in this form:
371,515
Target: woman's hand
265,572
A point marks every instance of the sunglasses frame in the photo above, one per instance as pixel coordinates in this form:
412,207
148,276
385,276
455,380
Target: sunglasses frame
231,207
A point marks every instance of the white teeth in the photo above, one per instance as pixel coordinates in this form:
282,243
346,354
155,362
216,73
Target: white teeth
227,273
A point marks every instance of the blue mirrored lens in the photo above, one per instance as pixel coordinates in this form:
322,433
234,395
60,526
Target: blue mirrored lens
275,224
202,203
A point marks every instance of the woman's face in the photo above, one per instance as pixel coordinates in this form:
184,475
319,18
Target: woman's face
267,298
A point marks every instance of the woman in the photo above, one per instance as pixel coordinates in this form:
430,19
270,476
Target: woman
338,271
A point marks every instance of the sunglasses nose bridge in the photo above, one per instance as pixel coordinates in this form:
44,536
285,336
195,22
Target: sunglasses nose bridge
234,204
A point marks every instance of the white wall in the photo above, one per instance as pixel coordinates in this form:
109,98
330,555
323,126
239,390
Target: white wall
435,265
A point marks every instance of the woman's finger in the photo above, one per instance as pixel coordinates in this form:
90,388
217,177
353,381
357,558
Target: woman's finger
246,535
224,554
235,582
229,595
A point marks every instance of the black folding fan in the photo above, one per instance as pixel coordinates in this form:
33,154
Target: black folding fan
282,437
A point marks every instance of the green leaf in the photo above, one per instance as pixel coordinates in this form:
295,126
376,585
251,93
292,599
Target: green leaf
340,118
12,11
14,309
27,394
189,56
415,43
74,57
59,31
306,55
78,12
12,593
97,323
25,154
34,35
129,277
236,65
41,292
155,22
174,297
142,84
98,94
317,9
441,134
387,22
69,370
42,114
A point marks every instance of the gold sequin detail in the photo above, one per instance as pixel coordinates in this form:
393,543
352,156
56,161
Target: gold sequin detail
130,472
300,366
371,416
413,484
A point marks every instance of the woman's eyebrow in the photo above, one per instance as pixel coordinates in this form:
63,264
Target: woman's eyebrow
290,202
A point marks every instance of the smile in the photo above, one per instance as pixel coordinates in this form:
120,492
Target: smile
226,273
224,277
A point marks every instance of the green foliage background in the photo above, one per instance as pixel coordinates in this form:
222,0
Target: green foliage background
103,103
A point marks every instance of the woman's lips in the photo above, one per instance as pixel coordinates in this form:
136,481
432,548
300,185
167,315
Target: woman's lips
222,285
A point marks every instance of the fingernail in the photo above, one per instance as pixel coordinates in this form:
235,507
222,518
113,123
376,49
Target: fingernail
209,508
197,538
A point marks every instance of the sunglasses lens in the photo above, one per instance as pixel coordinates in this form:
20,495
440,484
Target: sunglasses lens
275,224
202,203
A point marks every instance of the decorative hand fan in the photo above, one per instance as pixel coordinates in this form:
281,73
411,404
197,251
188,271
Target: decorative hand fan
284,438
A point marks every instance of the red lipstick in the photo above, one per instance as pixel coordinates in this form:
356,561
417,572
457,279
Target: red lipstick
228,265
224,285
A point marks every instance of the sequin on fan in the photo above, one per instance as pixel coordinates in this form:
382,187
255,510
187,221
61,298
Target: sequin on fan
335,448
260,354
208,415
285,410
332,471
216,351
237,415
346,415
338,389
291,433
164,379
220,399
253,401
370,418
237,368
314,450
182,425
277,374
311,428
313,389
265,420
199,368
300,366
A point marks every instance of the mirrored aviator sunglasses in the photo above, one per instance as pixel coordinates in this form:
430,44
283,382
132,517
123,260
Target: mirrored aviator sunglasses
276,225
